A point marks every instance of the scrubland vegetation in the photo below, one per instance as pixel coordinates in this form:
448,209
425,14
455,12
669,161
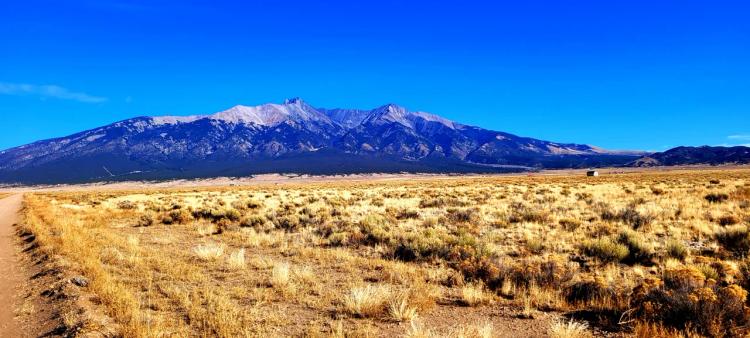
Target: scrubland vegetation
647,254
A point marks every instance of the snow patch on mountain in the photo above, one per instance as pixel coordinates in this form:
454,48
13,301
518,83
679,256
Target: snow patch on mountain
95,137
434,118
265,115
162,120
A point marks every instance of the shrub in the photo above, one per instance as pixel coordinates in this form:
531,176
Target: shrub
543,274
535,245
608,215
288,222
709,272
420,247
338,238
570,224
657,191
741,194
225,225
253,221
246,204
166,219
462,215
407,214
519,212
586,197
232,215
675,249
728,220
606,250
635,219
126,205
180,216
376,229
586,291
441,202
716,197
638,250
145,220
735,239
216,214
629,216
685,300
475,267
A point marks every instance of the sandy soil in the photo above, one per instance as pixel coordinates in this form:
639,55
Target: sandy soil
10,275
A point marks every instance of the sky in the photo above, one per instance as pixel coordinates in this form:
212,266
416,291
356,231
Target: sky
638,74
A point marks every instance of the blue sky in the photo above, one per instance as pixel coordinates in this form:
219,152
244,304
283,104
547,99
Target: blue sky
643,75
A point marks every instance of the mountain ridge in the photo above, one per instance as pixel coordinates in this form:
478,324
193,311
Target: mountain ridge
246,136
702,155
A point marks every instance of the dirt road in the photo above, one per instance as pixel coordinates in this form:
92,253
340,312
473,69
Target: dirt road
10,276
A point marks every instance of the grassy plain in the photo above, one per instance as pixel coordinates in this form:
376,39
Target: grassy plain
648,254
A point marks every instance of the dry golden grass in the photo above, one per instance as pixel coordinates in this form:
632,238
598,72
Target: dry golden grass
209,252
400,310
661,253
236,260
569,329
474,294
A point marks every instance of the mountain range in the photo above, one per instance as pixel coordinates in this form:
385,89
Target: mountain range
292,137
704,155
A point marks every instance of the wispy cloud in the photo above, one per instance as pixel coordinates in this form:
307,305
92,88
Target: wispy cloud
48,91
741,137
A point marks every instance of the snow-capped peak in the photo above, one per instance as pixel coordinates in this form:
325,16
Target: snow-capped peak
395,113
298,110
271,114
392,108
267,114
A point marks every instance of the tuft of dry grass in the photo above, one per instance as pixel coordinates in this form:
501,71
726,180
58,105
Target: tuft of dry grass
474,295
401,311
209,252
281,276
418,330
236,260
569,329
367,301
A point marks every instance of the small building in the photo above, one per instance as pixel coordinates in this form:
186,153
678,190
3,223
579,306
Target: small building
592,173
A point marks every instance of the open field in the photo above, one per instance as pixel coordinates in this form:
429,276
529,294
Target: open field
272,179
648,253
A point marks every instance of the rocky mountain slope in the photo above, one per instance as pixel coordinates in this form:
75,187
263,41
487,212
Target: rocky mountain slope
289,137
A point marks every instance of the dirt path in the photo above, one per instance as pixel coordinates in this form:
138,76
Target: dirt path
10,276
